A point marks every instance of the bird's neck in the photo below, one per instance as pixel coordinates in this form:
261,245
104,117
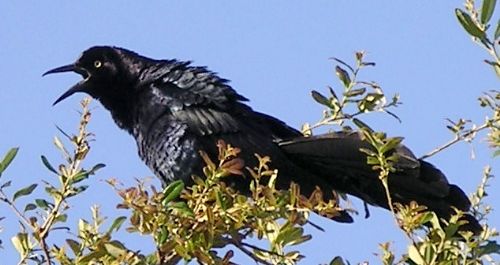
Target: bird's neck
120,114
119,105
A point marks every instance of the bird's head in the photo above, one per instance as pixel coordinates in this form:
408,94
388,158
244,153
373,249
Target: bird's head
103,70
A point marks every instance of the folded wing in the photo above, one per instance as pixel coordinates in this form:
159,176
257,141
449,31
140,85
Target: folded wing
337,157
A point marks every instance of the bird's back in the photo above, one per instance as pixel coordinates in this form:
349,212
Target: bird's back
187,109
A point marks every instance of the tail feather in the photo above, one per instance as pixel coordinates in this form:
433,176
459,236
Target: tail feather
337,158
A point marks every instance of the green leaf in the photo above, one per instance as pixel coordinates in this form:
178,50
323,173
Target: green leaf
172,191
318,97
152,259
115,249
391,144
24,191
6,184
370,102
95,168
487,10
490,248
47,164
451,229
117,223
29,207
52,191
162,237
355,92
8,159
343,76
91,256
301,239
337,261
497,30
78,190
182,208
81,189
43,204
367,151
370,160
83,174
468,24
61,218
74,245
361,125
220,200
79,176
426,217
287,234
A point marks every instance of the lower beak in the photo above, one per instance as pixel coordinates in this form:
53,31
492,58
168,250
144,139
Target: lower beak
79,87
76,88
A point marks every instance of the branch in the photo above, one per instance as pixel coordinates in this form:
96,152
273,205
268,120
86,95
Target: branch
241,246
21,216
457,139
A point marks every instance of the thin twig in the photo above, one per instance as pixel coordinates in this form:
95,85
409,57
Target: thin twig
261,249
241,246
394,214
251,255
14,208
331,120
43,245
455,140
42,242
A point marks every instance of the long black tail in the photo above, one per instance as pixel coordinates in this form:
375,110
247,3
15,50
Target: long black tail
337,158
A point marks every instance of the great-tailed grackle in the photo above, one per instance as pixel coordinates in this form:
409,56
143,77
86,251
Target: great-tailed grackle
173,110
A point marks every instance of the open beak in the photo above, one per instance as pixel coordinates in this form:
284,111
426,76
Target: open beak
78,87
62,69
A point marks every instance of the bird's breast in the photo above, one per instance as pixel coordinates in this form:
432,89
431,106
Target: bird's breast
169,151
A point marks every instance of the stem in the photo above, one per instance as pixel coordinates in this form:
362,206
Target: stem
455,140
339,115
42,230
261,249
332,119
43,245
384,175
21,262
14,208
45,228
241,246
438,251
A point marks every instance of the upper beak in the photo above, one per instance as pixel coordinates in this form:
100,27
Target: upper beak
66,68
78,87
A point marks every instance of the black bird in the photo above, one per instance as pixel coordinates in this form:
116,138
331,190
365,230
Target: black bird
174,109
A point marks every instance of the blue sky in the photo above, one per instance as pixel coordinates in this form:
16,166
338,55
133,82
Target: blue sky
274,53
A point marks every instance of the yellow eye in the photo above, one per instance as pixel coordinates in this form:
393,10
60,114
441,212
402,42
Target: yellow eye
97,64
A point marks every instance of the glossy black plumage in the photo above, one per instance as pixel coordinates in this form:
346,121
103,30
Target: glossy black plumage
173,110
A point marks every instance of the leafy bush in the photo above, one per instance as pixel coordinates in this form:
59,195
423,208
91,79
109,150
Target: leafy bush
199,222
